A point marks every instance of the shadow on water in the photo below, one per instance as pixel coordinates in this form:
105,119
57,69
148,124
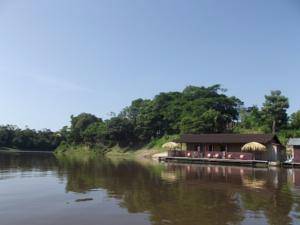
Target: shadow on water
179,194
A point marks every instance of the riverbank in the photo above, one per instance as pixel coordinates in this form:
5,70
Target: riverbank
149,151
85,152
142,153
113,153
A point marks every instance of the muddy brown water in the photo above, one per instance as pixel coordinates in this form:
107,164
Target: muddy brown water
38,189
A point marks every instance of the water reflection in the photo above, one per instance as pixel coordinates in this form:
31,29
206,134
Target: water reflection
259,191
177,194
27,161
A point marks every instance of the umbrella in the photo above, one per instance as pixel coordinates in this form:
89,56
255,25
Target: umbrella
170,145
254,147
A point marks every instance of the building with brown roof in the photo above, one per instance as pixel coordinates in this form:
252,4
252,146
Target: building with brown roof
266,147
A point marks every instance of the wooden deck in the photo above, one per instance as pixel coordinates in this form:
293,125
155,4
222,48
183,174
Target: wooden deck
291,164
253,163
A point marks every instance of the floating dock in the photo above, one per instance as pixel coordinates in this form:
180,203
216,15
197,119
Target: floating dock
253,163
291,164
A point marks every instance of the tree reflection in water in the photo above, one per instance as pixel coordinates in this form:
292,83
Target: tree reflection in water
188,194
176,193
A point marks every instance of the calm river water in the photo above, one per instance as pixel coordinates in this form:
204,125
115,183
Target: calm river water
38,189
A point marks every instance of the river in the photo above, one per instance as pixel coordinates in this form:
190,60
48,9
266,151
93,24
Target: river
38,189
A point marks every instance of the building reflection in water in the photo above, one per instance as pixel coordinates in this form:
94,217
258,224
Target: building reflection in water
247,176
179,194
272,193
294,177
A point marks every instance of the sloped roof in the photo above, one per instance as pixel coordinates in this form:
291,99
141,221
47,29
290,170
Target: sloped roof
294,141
227,138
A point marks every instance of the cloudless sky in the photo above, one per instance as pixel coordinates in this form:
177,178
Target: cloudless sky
63,57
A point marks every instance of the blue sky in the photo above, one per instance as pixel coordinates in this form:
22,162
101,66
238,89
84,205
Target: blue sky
63,57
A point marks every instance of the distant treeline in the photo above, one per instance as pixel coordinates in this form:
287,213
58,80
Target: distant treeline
28,139
194,110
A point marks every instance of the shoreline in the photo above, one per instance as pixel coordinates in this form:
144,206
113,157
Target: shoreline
113,153
13,150
139,154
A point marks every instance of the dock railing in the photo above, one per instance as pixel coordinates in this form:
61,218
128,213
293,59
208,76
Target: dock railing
211,154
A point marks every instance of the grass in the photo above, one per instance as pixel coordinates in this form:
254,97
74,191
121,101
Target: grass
77,153
158,142
147,151
117,152
153,147
143,153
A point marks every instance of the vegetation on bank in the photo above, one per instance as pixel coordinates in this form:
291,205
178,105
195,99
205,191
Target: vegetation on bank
27,139
148,123
78,153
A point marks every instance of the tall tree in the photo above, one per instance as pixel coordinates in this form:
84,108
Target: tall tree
295,120
275,110
120,131
79,124
251,121
96,134
208,110
194,110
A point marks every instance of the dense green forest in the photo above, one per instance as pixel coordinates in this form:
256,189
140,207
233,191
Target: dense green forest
194,110
28,139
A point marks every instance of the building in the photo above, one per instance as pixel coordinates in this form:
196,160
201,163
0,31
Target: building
294,145
229,146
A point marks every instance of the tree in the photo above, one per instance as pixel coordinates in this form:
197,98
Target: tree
133,111
295,120
64,133
96,134
250,117
195,109
79,124
207,122
140,114
274,110
28,139
7,134
251,121
120,131
206,110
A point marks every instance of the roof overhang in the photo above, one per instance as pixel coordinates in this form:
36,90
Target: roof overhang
228,138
